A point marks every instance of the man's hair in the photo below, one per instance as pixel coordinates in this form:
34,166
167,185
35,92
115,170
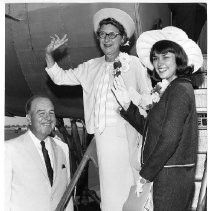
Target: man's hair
31,99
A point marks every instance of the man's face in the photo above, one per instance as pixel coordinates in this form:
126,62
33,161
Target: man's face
42,117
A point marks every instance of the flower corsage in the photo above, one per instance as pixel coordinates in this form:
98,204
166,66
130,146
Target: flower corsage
121,64
157,92
147,101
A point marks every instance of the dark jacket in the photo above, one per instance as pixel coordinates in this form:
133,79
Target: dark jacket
170,132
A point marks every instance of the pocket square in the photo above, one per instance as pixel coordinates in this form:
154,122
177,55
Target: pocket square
63,166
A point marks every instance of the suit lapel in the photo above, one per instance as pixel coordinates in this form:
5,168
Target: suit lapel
56,160
33,153
59,159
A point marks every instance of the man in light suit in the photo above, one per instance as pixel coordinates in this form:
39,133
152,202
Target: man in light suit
29,184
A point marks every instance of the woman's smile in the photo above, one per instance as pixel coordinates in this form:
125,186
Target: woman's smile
107,45
162,70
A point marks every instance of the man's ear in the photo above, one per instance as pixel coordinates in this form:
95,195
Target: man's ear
28,118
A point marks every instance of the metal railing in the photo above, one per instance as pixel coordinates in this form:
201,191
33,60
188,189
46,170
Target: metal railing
89,155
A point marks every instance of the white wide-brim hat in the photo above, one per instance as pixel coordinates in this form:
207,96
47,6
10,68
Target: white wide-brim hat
119,15
147,39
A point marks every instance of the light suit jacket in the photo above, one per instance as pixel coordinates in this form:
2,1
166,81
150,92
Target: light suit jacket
27,185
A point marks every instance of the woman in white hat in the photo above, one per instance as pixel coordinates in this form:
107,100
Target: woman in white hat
170,135
114,136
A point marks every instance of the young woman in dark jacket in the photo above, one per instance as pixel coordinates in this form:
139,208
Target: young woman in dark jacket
170,133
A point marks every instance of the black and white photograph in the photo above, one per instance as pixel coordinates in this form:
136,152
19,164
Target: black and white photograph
105,106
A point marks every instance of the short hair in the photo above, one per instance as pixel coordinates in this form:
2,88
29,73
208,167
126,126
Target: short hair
115,23
165,46
31,99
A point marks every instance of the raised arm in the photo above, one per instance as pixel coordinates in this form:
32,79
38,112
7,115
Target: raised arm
55,43
58,75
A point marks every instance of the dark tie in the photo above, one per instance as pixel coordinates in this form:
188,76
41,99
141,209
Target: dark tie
47,162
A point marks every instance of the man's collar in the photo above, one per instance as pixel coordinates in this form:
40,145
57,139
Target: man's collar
35,138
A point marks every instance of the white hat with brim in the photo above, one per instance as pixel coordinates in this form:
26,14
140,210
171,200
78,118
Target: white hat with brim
117,14
147,39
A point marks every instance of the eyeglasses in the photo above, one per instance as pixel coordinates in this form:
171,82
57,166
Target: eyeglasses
111,35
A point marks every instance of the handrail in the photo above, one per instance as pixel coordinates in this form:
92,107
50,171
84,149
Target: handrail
203,191
89,154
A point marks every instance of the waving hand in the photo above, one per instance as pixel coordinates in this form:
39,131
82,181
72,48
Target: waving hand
55,43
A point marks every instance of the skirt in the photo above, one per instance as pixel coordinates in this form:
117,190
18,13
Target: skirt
115,172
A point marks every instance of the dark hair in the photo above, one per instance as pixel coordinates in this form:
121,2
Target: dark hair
165,46
115,23
31,99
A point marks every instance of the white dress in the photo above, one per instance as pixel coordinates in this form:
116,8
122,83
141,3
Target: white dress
115,171
113,147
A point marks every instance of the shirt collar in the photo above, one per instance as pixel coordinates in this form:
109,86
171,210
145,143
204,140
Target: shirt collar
37,141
